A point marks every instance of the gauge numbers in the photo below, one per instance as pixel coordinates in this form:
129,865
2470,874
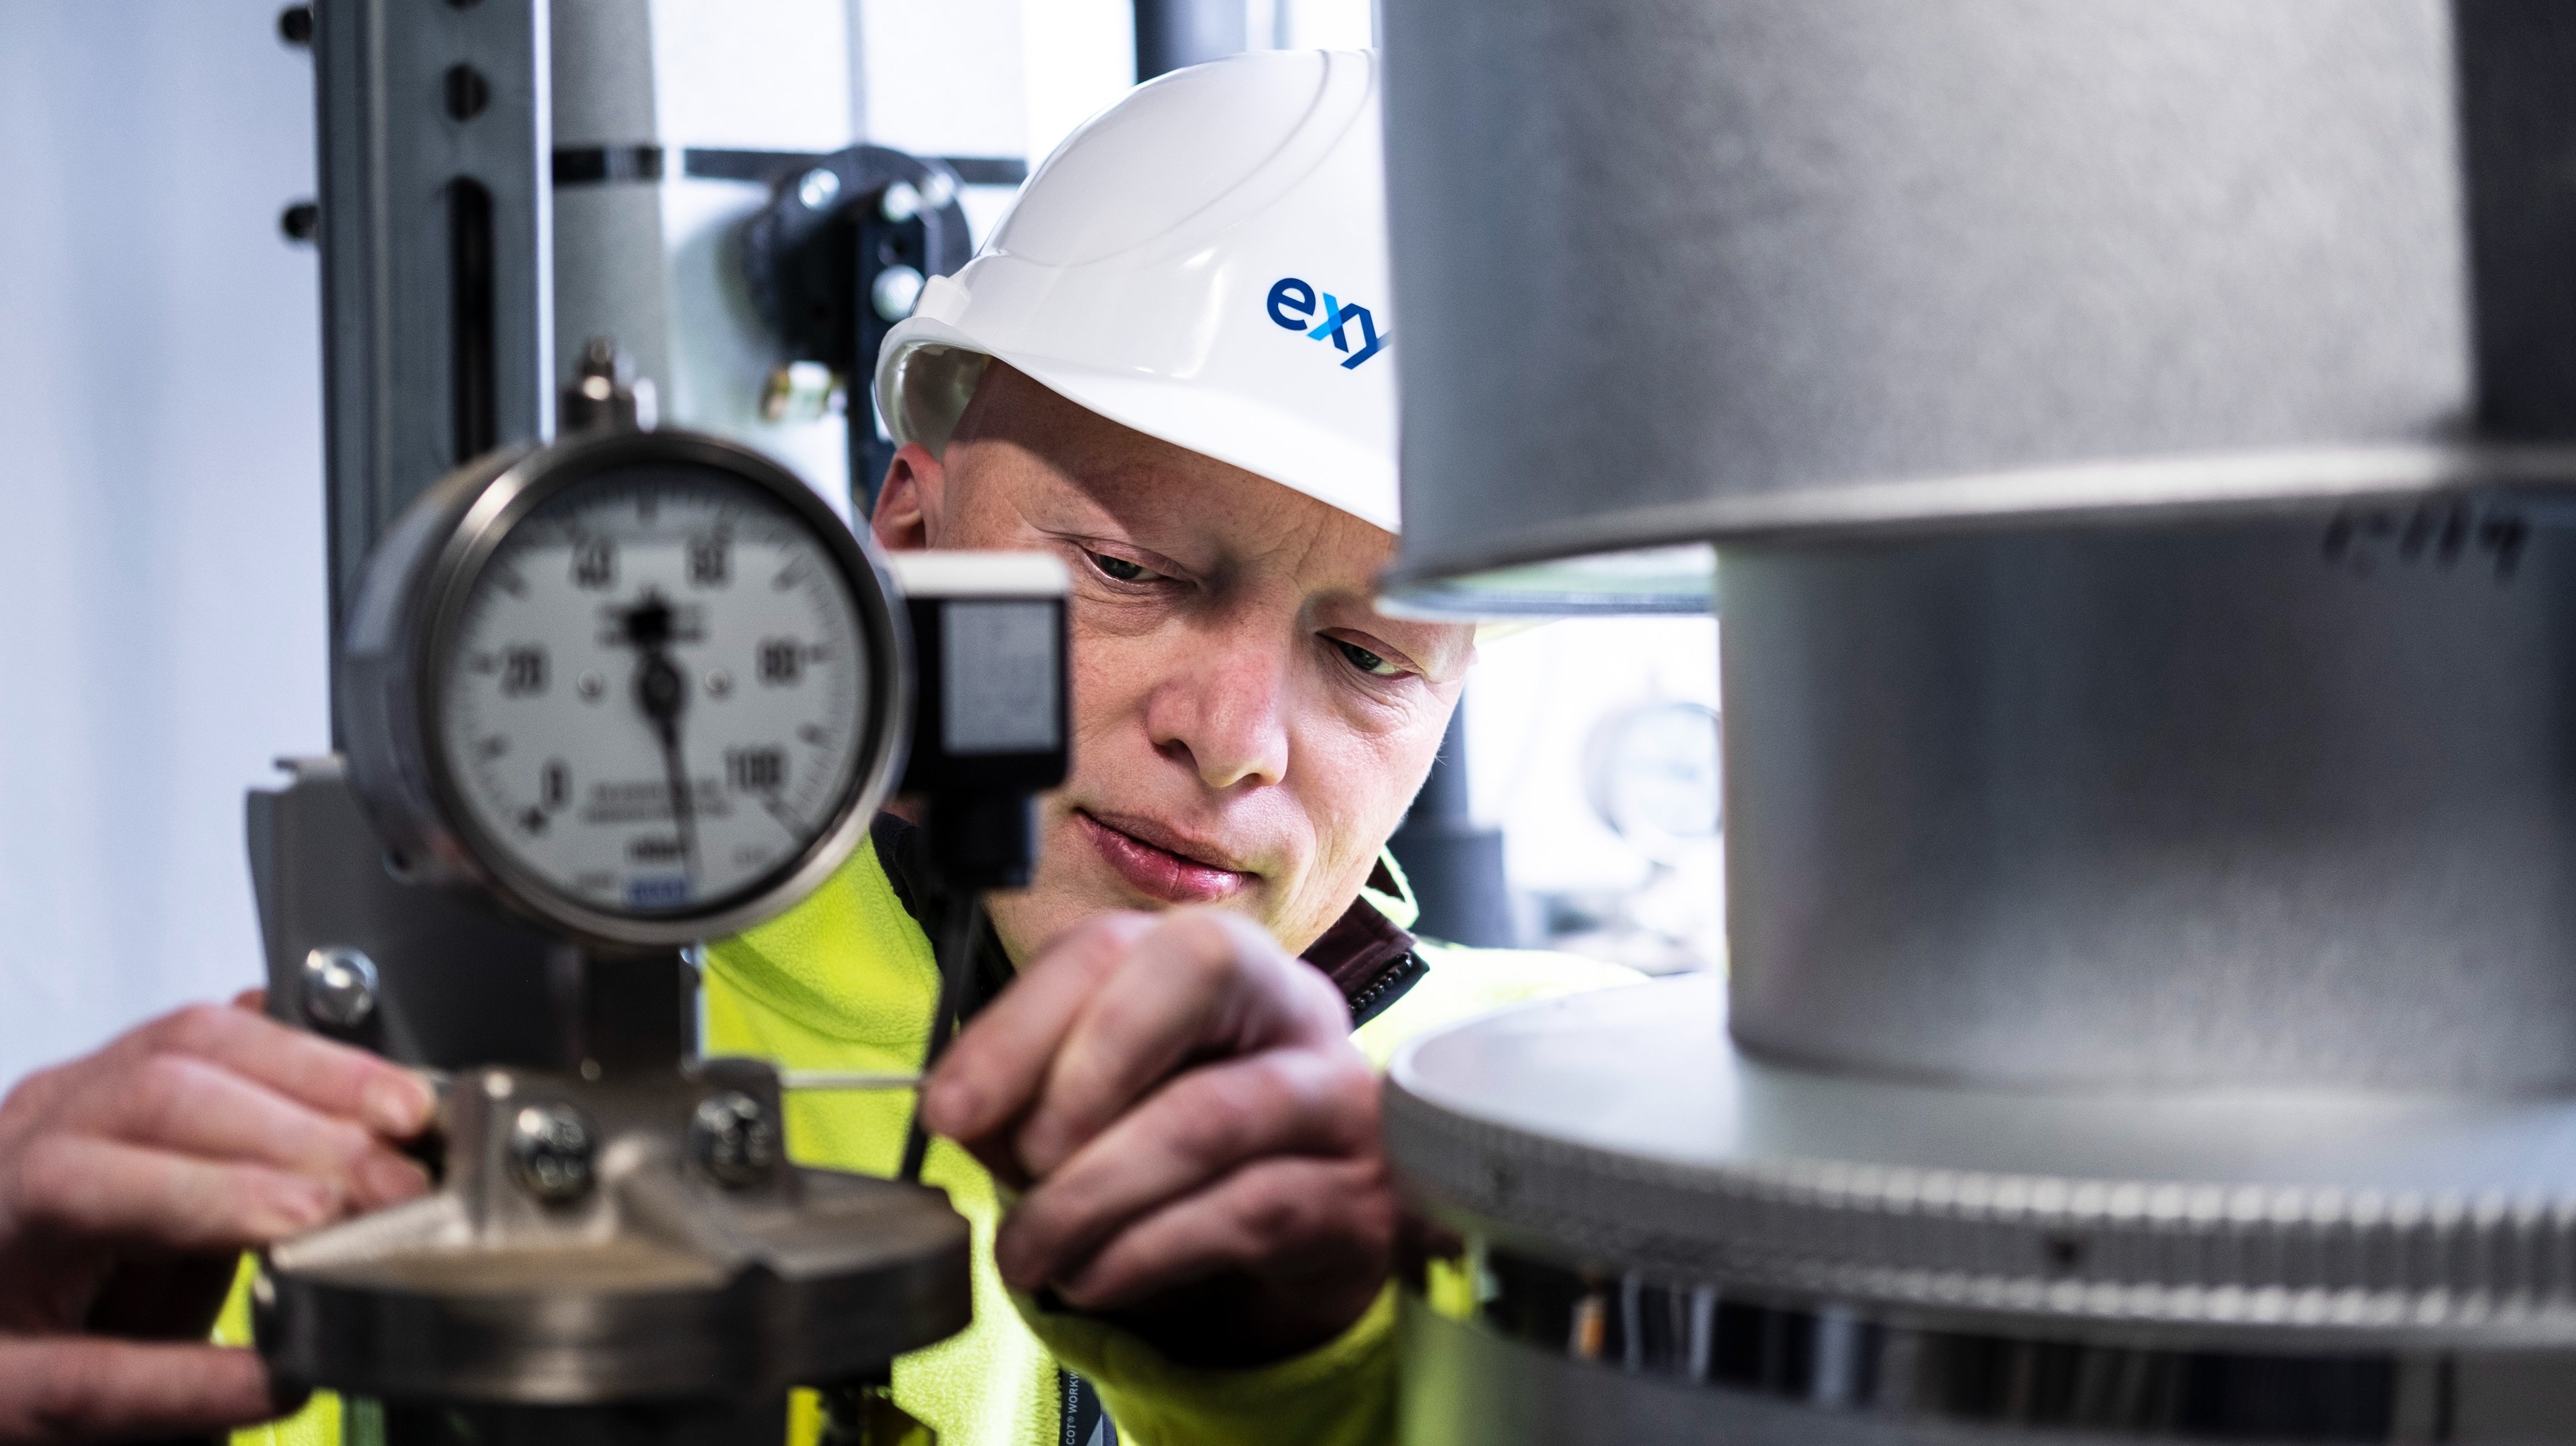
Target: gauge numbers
656,690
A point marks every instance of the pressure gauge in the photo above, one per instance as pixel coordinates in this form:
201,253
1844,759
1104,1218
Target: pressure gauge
644,687
1653,773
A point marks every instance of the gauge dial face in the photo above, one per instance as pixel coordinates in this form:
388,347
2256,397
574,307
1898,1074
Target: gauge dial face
1657,776
656,691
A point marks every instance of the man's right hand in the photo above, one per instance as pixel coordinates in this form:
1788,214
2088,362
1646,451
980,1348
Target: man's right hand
131,1180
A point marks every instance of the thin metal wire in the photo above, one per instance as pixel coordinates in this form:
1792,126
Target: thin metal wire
843,1079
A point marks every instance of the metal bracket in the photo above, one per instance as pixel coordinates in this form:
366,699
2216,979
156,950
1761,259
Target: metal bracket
437,252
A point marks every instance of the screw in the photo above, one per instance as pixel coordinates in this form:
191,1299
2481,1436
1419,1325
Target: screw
895,292
733,1139
818,187
719,683
301,221
339,987
591,685
900,203
295,25
550,1150
467,92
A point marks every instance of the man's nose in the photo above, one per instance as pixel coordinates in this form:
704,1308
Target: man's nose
1224,713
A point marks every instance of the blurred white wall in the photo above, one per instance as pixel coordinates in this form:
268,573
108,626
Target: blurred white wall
160,455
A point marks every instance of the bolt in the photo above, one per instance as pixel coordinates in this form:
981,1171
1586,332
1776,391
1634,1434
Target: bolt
895,292
937,190
719,683
301,221
550,1151
339,987
900,203
467,92
295,25
818,188
733,1139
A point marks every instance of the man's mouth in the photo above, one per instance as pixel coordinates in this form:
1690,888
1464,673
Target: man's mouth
1158,863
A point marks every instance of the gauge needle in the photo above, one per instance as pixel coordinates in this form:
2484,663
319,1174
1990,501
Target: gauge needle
662,690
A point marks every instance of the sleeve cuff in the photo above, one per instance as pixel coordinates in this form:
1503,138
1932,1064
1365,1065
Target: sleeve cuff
1342,1393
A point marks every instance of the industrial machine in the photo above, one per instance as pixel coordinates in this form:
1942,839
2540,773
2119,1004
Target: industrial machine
2134,439
609,684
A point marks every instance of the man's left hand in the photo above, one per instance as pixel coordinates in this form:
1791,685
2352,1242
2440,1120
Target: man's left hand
1196,1134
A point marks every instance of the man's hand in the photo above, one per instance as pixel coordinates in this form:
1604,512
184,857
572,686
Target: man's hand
1198,1136
130,1181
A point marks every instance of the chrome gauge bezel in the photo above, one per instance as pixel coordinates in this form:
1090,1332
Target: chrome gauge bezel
475,521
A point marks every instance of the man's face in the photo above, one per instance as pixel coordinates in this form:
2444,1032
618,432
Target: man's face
1246,728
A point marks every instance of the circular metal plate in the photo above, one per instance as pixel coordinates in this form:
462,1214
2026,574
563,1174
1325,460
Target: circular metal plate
705,1304
1625,1130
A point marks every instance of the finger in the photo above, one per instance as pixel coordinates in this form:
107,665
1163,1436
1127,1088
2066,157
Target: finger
181,1103
317,1072
131,1195
254,1000
86,1388
993,1067
1201,984
1280,1217
1184,1138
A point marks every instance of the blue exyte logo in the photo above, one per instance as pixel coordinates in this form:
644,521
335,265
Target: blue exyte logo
1293,304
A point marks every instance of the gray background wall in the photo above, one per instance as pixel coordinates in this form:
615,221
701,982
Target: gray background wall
161,623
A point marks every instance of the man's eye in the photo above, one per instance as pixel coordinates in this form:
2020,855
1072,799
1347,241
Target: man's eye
1366,661
1120,568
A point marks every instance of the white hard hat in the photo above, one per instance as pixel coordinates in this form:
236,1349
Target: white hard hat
1204,261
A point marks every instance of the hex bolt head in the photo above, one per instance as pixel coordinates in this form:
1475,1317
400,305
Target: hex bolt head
733,1140
551,1149
818,188
895,292
339,987
900,203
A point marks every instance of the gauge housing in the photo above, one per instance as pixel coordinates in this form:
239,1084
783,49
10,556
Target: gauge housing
405,621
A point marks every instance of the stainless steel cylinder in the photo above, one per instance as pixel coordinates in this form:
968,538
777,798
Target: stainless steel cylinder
2135,436
1669,270
2286,803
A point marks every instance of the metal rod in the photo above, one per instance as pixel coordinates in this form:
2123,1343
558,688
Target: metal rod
837,1079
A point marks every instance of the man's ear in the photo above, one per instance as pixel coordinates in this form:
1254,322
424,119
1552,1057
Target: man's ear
915,483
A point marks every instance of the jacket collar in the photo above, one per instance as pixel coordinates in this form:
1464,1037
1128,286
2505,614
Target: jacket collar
1367,955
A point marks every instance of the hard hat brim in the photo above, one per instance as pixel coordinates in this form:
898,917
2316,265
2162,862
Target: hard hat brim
922,400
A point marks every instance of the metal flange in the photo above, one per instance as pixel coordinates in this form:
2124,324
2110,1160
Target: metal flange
664,1280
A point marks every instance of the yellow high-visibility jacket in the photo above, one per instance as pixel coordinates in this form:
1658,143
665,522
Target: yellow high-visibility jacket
846,981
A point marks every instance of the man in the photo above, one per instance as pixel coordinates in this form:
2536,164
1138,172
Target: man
1169,370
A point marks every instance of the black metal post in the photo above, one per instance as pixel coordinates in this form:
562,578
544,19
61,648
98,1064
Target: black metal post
1456,868
1171,34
